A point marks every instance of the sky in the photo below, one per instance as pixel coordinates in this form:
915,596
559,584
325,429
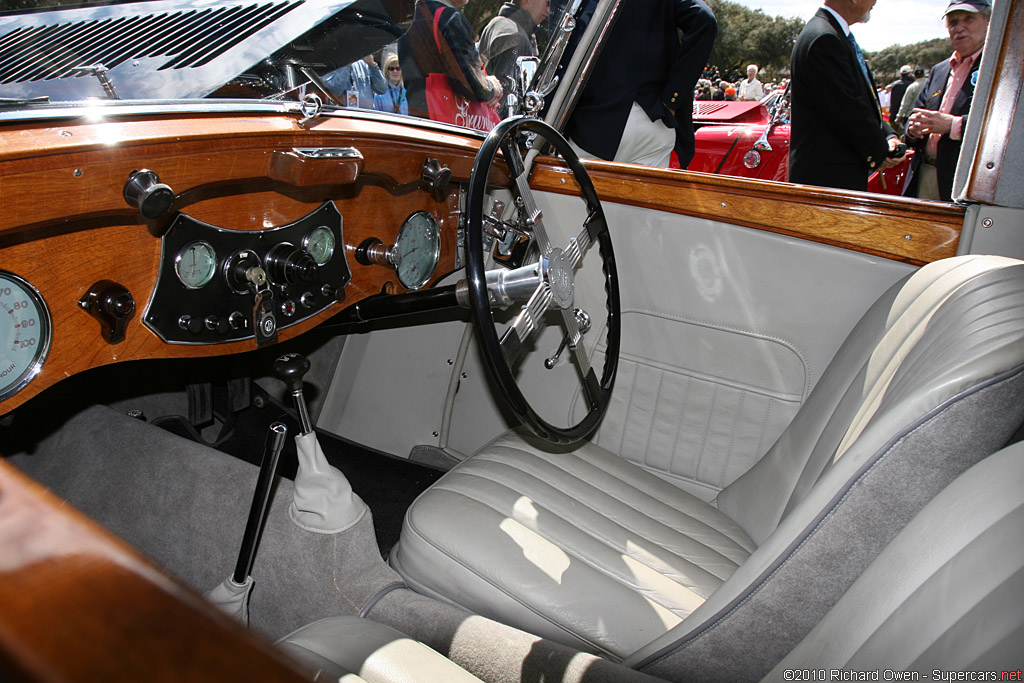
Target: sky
893,22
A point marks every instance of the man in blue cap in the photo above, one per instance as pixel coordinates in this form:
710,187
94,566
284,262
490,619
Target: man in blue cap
936,125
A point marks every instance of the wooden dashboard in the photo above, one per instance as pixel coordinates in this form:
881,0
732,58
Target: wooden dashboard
65,224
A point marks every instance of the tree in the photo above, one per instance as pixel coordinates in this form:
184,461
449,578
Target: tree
747,36
886,63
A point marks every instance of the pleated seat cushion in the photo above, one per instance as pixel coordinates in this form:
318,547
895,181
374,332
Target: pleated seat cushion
582,547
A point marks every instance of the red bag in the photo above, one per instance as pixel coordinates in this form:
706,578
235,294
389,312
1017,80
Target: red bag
444,105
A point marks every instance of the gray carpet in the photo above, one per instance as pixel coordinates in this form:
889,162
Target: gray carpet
160,493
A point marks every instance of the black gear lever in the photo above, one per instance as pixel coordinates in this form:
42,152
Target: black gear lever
290,369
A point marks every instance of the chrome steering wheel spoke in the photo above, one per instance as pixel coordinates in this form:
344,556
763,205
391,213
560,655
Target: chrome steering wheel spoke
526,324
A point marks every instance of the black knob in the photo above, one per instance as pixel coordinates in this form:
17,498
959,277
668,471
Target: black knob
237,320
435,178
113,305
287,265
190,324
217,324
145,191
290,369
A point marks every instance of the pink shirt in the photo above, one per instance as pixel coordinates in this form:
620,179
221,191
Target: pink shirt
961,69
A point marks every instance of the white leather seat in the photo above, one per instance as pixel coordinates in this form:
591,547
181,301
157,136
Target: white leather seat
900,614
588,549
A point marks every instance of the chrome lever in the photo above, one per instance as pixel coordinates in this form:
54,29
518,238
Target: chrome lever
583,320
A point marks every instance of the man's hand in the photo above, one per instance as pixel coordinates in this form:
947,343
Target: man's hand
496,97
369,60
893,161
924,122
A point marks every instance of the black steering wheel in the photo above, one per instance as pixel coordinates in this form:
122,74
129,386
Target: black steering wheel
539,286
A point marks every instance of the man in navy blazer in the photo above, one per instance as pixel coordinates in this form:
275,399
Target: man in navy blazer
936,125
637,105
838,136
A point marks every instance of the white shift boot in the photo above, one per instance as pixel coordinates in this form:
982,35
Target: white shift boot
324,502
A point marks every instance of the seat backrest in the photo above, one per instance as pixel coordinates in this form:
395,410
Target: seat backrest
930,381
945,594
942,330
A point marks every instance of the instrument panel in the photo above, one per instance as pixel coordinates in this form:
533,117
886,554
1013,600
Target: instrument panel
217,285
259,246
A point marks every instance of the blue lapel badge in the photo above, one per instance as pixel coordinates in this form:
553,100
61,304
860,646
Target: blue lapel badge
974,78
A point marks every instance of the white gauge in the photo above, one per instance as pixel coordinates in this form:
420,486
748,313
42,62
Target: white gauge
417,250
195,264
24,331
320,244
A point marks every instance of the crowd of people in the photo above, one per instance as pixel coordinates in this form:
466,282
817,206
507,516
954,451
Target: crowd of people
636,107
712,86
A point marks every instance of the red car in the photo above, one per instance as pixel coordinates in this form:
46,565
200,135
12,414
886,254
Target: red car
751,140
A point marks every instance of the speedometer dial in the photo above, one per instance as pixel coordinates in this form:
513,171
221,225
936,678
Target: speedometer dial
24,332
417,250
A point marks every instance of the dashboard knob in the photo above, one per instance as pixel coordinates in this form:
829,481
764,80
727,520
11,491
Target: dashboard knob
144,190
288,265
237,320
190,324
435,178
113,305
217,324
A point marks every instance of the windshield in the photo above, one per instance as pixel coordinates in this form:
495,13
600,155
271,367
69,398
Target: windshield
380,55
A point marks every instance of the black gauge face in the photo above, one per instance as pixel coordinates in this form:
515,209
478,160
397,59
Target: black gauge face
417,250
195,264
320,243
24,332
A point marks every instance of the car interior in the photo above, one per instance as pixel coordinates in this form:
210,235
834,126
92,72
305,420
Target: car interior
341,395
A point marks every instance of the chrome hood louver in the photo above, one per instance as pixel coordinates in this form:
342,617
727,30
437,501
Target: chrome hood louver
172,50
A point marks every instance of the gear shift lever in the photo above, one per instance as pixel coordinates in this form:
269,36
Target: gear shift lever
323,499
291,368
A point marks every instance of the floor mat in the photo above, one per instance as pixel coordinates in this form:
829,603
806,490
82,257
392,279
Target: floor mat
387,484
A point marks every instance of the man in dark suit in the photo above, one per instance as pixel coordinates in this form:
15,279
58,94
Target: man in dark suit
637,105
838,136
937,123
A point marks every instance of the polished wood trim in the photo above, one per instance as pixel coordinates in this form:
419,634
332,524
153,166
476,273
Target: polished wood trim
1000,113
80,605
896,228
65,224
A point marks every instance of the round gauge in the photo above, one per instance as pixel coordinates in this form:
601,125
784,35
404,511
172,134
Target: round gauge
417,250
320,243
24,332
195,264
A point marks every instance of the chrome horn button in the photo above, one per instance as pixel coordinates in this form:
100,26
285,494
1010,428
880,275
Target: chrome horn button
560,278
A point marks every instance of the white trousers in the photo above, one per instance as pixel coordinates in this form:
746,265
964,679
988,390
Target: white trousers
645,142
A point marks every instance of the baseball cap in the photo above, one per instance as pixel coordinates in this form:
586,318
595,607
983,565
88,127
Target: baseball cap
967,6
906,69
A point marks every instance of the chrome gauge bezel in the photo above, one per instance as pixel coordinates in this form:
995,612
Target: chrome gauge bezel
308,239
42,350
186,281
427,262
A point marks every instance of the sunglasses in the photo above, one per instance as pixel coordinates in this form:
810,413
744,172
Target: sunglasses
394,68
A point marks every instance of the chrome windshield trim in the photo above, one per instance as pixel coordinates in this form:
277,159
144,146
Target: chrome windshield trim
582,62
99,109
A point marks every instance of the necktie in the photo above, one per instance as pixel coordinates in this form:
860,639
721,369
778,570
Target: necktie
860,59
